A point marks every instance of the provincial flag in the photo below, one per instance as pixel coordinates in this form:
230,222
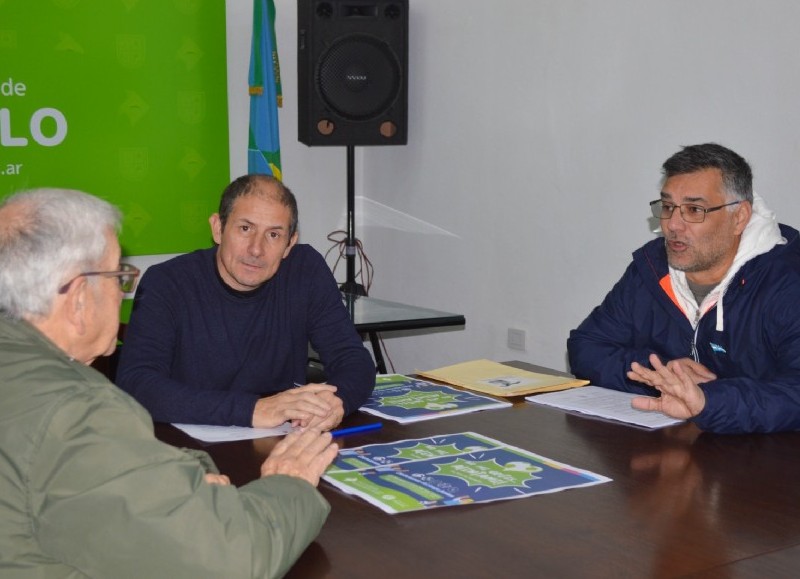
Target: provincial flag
264,149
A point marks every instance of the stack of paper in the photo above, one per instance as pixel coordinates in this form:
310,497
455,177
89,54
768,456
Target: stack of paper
604,403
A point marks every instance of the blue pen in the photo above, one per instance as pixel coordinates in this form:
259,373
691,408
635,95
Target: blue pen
356,429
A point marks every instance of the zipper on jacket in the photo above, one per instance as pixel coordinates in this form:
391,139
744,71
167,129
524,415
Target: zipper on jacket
695,354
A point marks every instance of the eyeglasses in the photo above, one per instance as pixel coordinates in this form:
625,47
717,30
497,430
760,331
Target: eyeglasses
690,212
127,276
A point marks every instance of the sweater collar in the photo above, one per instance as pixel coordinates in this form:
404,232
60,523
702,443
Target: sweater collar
231,291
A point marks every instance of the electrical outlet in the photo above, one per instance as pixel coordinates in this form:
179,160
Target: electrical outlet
516,339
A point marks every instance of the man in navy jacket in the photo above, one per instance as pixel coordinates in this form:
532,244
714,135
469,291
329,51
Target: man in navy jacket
706,321
221,335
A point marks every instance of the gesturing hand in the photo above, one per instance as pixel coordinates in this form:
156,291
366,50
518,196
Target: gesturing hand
681,396
694,370
304,455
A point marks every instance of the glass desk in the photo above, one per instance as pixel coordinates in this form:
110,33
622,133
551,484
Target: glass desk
371,315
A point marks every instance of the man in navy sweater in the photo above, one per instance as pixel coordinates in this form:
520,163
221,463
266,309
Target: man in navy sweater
707,318
220,335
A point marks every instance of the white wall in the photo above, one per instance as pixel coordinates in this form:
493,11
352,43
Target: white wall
537,130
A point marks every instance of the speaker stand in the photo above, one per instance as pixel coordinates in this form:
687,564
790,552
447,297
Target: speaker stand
350,286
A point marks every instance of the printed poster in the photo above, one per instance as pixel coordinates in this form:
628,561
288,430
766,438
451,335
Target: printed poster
449,470
404,399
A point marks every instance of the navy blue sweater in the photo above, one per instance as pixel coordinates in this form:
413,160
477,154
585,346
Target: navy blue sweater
197,352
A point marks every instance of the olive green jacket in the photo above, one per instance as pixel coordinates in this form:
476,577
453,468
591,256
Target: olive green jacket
86,490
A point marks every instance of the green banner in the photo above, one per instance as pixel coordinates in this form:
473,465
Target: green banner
125,99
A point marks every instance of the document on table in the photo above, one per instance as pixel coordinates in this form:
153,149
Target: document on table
449,470
208,433
405,399
499,379
604,403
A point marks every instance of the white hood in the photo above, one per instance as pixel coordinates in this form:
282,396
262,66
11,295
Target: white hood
759,236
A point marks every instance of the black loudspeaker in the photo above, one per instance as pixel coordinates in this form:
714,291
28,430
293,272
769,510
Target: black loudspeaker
352,72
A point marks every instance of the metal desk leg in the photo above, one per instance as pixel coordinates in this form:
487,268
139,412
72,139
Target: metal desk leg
377,352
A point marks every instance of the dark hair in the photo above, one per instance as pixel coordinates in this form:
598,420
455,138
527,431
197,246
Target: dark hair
737,177
249,184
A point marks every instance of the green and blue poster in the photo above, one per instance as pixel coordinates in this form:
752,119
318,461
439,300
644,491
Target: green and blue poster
405,399
124,99
449,470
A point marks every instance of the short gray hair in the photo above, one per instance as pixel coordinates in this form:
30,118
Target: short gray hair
47,237
737,176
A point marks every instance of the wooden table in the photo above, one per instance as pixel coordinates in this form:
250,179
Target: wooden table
682,504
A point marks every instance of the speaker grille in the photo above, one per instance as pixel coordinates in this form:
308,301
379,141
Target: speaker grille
358,77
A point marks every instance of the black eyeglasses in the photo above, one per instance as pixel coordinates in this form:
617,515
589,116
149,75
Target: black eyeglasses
127,276
690,212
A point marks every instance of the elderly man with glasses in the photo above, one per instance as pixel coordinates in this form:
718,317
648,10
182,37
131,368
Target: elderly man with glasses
86,488
705,322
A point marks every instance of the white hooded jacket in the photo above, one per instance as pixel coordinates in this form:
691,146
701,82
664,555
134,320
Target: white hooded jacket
759,236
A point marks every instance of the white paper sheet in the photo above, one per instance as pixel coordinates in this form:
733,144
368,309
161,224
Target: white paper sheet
208,433
605,403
